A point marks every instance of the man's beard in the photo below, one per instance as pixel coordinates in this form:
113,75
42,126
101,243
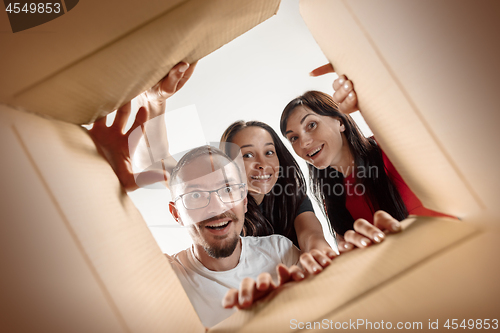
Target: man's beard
221,250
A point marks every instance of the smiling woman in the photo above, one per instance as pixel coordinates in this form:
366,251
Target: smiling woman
350,175
319,145
277,199
261,161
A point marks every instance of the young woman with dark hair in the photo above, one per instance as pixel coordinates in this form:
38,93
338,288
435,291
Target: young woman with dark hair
277,199
350,176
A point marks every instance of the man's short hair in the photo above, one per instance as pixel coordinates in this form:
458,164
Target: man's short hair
198,152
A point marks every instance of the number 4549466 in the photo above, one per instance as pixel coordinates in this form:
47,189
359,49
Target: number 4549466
41,8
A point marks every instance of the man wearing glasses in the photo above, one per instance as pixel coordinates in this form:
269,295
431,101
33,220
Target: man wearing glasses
210,198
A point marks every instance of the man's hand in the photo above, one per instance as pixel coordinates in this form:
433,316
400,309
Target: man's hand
344,94
154,98
118,148
113,144
366,234
250,291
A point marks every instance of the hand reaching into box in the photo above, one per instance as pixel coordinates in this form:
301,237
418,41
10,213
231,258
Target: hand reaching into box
251,291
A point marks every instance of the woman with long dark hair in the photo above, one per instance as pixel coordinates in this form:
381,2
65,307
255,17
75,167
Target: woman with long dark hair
350,176
277,199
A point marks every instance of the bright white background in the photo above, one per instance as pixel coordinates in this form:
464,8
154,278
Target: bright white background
251,78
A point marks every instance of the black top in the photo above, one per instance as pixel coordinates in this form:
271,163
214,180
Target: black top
305,206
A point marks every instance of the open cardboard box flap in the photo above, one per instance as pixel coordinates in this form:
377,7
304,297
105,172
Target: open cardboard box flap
400,280
100,55
427,87
77,255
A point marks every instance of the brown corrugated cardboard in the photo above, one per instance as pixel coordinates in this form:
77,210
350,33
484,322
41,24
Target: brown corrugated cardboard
351,277
46,281
142,44
34,55
461,283
424,88
92,255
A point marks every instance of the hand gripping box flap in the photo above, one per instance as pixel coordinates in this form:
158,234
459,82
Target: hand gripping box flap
101,54
76,254
460,283
427,87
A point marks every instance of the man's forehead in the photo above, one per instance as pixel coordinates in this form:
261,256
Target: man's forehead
203,173
212,181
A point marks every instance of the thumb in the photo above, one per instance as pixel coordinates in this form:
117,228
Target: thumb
328,68
168,85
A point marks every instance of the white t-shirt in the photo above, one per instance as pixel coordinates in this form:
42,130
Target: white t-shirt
206,288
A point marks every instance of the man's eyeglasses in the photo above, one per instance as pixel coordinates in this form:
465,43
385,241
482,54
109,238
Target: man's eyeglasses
201,199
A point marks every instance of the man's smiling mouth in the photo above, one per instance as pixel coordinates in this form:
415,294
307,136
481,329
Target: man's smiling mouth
218,226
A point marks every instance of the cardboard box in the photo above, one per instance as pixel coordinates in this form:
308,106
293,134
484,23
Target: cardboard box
76,255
